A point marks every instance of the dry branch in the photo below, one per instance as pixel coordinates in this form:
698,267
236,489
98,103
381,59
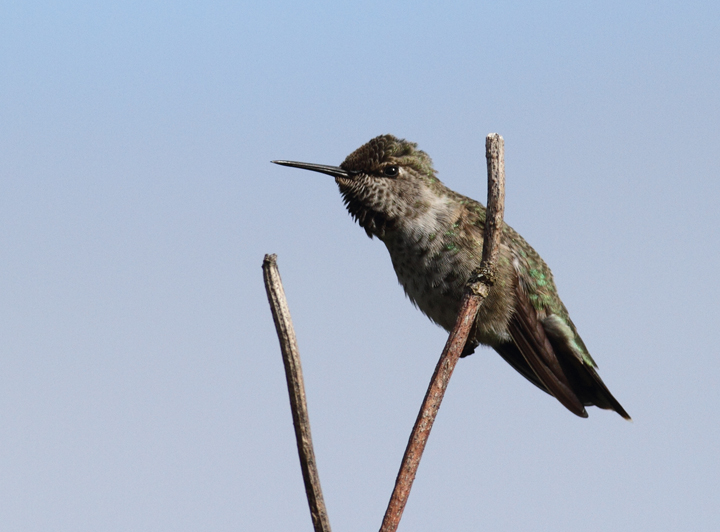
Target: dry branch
296,390
475,293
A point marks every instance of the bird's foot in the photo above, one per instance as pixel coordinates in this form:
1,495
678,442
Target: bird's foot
469,349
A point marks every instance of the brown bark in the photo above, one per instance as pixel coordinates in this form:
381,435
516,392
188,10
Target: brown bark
475,293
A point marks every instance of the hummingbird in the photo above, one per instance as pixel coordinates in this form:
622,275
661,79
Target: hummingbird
435,238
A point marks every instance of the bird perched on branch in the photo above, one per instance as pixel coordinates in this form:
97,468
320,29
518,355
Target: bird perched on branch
435,239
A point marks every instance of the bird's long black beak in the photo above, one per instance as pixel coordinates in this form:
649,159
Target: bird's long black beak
334,171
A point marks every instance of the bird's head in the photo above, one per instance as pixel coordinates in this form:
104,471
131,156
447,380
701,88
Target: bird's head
383,182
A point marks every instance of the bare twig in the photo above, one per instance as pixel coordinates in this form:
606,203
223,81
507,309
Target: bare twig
296,389
495,155
476,290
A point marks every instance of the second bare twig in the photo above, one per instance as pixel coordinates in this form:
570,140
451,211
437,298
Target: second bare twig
296,390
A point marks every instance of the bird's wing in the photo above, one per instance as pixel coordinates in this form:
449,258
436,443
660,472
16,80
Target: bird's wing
529,336
579,366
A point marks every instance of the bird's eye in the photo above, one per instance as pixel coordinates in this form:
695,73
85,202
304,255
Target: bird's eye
391,171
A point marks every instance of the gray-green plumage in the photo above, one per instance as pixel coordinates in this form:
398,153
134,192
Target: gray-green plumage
435,238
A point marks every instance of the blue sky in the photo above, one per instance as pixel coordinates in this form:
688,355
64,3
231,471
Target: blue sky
141,386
